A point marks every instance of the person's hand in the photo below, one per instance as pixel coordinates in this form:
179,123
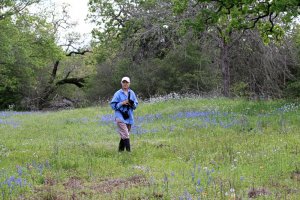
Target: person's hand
125,102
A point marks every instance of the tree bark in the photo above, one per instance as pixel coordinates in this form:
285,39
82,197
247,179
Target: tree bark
224,63
79,82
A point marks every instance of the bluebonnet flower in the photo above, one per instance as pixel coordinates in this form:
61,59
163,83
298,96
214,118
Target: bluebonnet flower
10,181
41,168
209,180
199,168
148,118
187,195
10,122
6,114
168,128
20,171
193,176
47,164
172,128
207,172
165,178
137,129
198,181
18,181
199,189
107,119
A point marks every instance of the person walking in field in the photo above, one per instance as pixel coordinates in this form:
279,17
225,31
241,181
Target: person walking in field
123,103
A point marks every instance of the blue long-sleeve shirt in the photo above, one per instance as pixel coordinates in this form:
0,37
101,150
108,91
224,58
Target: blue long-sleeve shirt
116,105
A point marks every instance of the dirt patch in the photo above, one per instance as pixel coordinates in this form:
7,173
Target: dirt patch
108,186
296,175
77,188
49,181
73,183
162,145
257,192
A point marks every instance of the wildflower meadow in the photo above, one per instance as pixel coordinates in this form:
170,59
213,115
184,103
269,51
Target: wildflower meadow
182,148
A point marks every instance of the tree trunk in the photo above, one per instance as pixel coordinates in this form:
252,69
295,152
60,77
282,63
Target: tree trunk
49,89
43,100
224,63
53,85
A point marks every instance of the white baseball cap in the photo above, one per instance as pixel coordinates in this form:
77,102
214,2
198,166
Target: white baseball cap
126,79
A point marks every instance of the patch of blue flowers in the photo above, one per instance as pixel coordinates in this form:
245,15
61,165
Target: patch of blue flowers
195,114
137,129
196,182
107,119
83,120
205,119
194,119
14,184
5,115
197,119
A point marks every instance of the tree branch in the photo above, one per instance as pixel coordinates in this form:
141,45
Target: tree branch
54,71
78,52
79,82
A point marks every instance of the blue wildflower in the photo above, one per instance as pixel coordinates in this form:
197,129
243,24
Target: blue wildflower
193,176
18,181
20,171
199,181
165,178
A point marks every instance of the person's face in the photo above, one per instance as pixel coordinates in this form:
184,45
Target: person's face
125,85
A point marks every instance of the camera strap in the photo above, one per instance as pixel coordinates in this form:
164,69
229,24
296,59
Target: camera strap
125,108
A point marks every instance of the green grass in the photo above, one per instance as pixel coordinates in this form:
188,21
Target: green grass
181,149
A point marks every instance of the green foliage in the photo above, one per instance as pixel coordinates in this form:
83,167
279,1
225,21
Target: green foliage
10,8
27,48
293,89
111,20
184,70
188,70
240,89
244,14
9,81
296,39
147,4
180,5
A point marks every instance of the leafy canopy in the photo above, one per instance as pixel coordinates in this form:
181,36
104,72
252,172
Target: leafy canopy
271,17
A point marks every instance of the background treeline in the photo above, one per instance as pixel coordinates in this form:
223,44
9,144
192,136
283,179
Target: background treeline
198,47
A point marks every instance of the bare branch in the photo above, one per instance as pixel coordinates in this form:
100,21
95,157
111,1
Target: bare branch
78,52
79,82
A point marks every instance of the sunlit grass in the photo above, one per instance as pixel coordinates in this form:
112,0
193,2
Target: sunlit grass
182,148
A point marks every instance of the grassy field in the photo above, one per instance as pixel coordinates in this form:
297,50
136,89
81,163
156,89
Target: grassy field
181,149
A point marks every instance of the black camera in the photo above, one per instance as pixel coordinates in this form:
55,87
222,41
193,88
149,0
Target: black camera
131,103
125,115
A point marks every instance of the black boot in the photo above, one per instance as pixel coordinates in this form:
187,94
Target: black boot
127,144
121,145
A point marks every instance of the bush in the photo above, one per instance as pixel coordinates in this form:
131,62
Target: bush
293,89
240,89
